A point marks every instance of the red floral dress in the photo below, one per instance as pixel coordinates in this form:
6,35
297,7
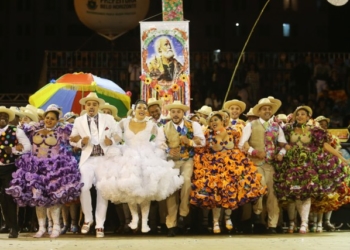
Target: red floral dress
224,178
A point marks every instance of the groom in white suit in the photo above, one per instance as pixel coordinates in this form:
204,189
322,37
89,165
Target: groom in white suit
95,132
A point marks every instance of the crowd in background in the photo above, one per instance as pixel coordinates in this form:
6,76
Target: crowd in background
294,83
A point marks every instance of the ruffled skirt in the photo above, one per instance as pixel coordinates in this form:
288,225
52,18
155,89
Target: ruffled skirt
319,176
45,181
138,174
225,179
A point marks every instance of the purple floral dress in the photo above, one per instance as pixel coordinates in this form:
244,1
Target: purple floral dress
48,175
307,170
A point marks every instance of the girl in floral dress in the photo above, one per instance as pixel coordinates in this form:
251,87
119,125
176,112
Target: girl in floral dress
223,177
317,215
310,171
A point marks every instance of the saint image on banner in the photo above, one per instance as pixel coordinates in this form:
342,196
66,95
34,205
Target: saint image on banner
164,64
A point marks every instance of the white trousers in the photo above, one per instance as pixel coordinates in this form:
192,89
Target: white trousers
91,171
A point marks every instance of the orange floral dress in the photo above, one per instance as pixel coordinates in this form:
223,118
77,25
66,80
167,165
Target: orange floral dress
223,176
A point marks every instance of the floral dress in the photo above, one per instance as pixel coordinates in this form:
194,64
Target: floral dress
309,171
224,177
49,175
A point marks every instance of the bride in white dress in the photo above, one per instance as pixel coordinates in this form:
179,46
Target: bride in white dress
140,173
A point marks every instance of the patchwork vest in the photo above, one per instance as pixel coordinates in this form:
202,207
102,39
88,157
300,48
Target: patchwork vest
8,138
173,138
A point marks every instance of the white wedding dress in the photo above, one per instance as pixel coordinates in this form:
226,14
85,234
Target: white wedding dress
139,171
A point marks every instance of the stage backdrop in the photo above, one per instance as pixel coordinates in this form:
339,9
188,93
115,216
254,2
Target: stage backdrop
165,61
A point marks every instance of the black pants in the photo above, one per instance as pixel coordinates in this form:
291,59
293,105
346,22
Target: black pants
9,207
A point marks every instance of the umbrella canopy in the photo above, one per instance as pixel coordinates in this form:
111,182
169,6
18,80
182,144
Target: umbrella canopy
67,90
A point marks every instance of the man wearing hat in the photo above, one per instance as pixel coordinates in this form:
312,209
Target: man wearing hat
18,116
182,136
204,111
13,142
29,114
263,135
251,116
236,108
110,110
95,131
155,111
69,117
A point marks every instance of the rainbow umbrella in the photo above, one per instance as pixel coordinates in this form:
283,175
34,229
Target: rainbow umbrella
67,90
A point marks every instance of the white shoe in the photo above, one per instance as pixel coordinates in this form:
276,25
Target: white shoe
216,228
55,232
134,223
40,233
319,229
100,233
229,225
145,228
303,228
86,227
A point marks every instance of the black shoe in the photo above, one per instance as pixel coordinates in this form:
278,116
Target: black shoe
4,229
271,230
181,222
172,232
256,218
259,229
279,230
13,233
24,230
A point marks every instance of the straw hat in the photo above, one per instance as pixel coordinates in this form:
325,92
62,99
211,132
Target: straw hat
17,111
31,112
307,108
265,102
322,118
54,108
111,108
276,101
40,112
92,96
250,113
190,116
10,112
239,103
153,101
205,110
282,117
177,105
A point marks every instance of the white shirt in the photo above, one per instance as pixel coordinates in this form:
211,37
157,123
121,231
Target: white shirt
247,132
22,139
197,131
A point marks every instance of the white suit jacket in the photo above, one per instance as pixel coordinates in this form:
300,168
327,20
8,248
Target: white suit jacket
106,127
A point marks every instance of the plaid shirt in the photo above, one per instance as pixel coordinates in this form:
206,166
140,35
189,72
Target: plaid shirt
96,150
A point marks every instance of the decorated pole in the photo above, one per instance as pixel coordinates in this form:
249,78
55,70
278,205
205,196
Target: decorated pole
165,56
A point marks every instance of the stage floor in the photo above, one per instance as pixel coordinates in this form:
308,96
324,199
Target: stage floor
310,241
